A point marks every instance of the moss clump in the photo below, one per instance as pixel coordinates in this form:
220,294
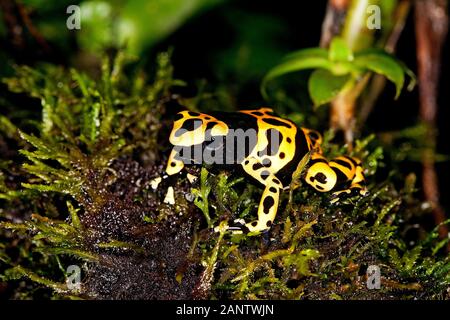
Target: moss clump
75,188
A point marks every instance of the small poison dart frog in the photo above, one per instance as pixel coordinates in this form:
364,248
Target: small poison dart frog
270,150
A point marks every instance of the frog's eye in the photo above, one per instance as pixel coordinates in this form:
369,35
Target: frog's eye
321,177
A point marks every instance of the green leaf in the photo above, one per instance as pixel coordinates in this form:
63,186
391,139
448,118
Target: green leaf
323,86
19,272
309,59
410,258
7,127
382,63
36,142
308,52
339,51
76,223
91,121
301,260
201,195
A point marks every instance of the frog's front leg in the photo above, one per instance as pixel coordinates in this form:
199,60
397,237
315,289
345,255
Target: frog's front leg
174,166
268,205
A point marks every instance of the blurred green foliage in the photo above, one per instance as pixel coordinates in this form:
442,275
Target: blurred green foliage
133,24
338,69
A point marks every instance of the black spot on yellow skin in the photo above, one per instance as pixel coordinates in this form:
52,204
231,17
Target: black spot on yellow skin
266,163
272,189
210,125
173,164
188,125
269,224
313,161
288,139
265,174
178,116
351,160
341,176
274,138
313,139
268,203
282,155
343,163
257,166
277,123
254,223
257,113
313,135
276,181
322,178
193,114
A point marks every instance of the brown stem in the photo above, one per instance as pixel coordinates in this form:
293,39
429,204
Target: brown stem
379,82
18,21
342,106
343,109
13,27
400,15
342,112
333,21
31,28
431,29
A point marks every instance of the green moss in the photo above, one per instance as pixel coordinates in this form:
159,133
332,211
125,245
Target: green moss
75,189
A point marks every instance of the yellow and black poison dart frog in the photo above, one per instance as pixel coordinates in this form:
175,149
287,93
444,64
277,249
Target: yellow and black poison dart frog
268,149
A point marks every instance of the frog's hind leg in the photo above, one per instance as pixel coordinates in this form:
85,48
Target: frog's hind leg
268,205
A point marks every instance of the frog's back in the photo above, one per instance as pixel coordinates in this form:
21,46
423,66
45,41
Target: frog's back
232,138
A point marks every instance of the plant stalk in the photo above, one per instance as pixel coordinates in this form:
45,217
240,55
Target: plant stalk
431,30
